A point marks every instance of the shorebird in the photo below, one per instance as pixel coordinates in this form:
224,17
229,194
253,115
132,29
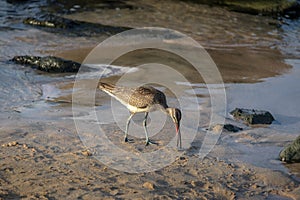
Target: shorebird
143,99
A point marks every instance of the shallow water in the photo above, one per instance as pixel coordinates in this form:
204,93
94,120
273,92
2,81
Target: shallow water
280,95
32,93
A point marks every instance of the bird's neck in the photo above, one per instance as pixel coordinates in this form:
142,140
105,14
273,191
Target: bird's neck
168,110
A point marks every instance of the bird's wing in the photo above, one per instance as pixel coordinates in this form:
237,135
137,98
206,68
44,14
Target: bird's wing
142,97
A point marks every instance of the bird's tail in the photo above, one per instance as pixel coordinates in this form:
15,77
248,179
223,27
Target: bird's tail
107,87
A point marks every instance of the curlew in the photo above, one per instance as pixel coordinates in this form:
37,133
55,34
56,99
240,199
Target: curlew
143,99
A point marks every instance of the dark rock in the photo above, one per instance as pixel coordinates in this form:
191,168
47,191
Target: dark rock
292,12
292,152
232,128
265,7
251,116
228,127
72,27
45,23
48,64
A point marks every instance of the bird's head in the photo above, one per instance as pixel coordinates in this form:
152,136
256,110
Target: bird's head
175,114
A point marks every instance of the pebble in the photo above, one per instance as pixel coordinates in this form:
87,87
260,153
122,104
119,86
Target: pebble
197,183
10,144
206,186
114,192
86,153
217,128
148,185
14,143
182,158
76,6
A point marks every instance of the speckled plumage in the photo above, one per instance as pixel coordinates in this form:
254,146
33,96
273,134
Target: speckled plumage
140,99
143,99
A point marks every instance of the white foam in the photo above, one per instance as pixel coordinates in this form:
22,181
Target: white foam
101,71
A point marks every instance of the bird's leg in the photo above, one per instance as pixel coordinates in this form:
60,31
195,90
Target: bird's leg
148,141
127,126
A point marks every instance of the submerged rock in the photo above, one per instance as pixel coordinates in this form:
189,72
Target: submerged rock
86,153
48,63
292,152
73,27
251,116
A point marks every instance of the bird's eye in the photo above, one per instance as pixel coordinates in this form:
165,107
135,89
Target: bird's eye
178,115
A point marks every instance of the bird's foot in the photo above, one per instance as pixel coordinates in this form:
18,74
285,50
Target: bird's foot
148,141
180,149
128,140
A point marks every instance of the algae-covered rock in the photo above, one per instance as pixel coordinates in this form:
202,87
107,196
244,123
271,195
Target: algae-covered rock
73,27
292,152
260,6
251,116
48,63
267,7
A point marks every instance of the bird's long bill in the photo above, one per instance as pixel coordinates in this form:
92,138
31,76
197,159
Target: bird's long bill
177,125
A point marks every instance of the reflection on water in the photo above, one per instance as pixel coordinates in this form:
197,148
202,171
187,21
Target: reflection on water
16,87
12,12
211,26
291,38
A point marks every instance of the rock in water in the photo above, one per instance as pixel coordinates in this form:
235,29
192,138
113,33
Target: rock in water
232,128
54,64
48,63
292,152
251,116
72,27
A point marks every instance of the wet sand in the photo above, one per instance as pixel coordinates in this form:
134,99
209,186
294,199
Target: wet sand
49,162
268,63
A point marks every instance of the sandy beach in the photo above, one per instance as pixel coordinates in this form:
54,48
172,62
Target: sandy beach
46,160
